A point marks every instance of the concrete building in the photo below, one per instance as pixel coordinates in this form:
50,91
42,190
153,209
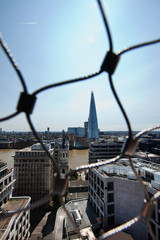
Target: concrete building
103,149
117,196
63,228
17,226
6,183
93,132
33,171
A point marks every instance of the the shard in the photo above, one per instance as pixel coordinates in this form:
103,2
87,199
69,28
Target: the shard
93,132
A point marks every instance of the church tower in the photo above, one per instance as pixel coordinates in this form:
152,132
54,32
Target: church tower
93,132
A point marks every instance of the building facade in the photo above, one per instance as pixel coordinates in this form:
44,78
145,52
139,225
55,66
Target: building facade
6,183
17,226
33,171
117,196
103,149
77,131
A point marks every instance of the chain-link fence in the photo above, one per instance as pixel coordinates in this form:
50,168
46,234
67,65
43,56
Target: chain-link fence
26,104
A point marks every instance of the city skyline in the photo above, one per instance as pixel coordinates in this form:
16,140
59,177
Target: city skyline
69,42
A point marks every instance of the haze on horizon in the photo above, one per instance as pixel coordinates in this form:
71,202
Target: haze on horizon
53,41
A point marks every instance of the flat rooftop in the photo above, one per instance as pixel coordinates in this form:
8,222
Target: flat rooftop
86,211
13,204
78,183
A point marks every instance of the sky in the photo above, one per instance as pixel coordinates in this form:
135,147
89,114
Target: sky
57,40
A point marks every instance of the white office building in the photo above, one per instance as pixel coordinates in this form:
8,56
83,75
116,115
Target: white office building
6,183
117,196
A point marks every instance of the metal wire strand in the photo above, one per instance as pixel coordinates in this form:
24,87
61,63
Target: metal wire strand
32,206
122,227
141,133
12,61
67,82
139,46
9,117
150,229
106,25
94,165
120,106
155,196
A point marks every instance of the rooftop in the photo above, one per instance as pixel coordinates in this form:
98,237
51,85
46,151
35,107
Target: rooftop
2,164
149,172
12,205
86,211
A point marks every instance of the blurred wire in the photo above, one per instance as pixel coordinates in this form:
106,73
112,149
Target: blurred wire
12,61
66,82
106,25
139,46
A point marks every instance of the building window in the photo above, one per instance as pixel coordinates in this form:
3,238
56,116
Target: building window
159,233
110,209
158,218
110,197
102,184
110,186
111,221
98,180
158,200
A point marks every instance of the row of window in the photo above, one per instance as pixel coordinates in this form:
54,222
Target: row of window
30,176
35,184
29,169
31,162
93,178
30,153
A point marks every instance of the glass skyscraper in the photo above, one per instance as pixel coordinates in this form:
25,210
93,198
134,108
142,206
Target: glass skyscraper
93,132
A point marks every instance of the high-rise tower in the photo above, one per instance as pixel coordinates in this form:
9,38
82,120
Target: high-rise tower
93,132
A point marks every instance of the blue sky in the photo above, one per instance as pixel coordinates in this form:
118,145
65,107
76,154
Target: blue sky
53,41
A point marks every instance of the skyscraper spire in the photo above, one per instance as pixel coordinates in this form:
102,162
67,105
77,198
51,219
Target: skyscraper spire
93,132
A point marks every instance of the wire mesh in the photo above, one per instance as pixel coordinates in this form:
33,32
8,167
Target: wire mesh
26,105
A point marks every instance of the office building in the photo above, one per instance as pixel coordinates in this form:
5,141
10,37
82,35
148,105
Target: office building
77,131
33,171
93,132
117,196
103,149
6,183
16,226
